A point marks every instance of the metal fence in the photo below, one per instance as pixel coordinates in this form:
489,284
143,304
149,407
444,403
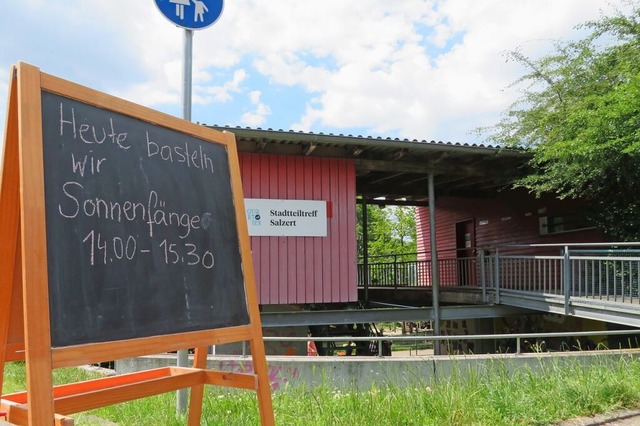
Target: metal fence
395,270
519,338
608,272
612,275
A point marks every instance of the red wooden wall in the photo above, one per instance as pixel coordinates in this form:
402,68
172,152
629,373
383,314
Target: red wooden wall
295,270
512,217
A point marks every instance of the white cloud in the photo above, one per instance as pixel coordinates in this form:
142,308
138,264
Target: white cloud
256,117
4,89
425,69
413,92
222,93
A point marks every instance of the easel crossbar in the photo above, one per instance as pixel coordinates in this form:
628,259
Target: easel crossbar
15,352
18,415
72,356
88,395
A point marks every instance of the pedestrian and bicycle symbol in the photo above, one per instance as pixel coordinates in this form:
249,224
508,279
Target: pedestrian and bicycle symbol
191,14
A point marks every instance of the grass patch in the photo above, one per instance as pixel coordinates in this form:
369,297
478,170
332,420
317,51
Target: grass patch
487,395
411,346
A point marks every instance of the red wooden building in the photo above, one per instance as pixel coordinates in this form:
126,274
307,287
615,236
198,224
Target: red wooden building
302,269
507,217
462,192
343,170
465,225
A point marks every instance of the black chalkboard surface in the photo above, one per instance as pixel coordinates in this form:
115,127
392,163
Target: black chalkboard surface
141,231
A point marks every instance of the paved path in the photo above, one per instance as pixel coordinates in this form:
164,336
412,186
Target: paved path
616,418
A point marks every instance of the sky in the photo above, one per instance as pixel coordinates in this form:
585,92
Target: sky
409,69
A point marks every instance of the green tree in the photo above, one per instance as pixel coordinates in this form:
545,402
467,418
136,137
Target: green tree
579,113
391,230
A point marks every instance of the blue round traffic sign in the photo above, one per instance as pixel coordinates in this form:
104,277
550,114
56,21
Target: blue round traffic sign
191,14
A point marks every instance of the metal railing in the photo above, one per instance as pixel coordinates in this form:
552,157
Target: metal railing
602,272
518,337
607,272
395,270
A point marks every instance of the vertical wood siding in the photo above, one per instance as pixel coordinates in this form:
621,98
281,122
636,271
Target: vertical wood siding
295,270
510,218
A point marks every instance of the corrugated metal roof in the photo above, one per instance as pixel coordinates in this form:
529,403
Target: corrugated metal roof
397,168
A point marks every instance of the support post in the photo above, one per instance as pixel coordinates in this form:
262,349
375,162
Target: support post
365,251
566,277
496,276
483,278
435,270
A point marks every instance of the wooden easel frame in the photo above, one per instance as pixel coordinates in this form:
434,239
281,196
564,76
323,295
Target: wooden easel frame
24,300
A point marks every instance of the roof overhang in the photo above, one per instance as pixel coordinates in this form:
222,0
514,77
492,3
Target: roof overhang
394,169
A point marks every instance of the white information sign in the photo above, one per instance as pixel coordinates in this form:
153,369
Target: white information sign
286,218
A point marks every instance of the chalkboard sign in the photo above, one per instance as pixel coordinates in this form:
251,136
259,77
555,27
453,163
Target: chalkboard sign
124,235
140,228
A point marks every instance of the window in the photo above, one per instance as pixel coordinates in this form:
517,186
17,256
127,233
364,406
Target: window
565,223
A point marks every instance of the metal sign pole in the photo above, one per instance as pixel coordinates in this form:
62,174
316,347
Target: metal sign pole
182,396
190,15
186,74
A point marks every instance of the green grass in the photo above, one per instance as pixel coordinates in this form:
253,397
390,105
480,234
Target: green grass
491,395
406,346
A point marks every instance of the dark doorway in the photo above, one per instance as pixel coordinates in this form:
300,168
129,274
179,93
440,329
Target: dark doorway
465,245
